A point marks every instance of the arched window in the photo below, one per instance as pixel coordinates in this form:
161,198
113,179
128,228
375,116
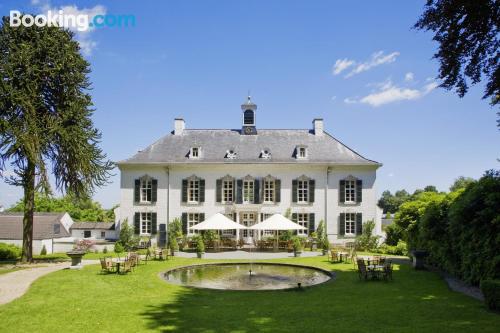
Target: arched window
248,117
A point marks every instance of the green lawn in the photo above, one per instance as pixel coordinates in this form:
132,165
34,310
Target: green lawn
86,301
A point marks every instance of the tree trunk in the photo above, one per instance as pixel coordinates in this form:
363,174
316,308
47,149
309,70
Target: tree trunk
29,207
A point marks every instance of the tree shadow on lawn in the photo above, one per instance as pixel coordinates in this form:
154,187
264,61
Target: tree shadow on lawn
414,301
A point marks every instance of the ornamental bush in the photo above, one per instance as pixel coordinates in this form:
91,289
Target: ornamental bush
43,251
491,292
9,251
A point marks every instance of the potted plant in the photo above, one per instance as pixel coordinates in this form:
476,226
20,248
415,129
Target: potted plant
325,245
173,245
314,241
200,248
297,246
418,257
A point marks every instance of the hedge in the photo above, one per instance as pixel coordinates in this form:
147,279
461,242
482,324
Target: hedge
9,251
491,292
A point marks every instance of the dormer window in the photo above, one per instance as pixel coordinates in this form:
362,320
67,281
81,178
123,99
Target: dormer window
265,154
301,152
195,152
231,154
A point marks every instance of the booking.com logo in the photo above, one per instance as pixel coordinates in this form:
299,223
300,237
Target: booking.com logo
80,22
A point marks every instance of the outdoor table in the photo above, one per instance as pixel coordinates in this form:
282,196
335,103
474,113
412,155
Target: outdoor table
343,255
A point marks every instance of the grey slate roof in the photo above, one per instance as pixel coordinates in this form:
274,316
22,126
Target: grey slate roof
93,225
214,143
11,226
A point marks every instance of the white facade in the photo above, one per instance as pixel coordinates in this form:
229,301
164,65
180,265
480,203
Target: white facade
285,155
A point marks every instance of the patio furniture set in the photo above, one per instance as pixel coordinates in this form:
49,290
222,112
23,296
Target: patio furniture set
131,261
374,268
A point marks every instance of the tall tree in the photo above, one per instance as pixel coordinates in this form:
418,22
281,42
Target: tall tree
45,117
467,33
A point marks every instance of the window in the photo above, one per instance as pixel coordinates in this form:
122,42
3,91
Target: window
301,152
146,219
248,118
192,219
350,224
229,232
231,154
227,190
193,190
265,154
303,220
195,152
350,191
303,191
103,234
57,229
86,234
248,191
248,219
269,190
267,233
146,190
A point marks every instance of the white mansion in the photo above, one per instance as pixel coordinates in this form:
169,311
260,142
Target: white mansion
249,174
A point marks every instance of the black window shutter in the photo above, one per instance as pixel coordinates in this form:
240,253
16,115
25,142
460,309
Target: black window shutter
312,186
342,191
342,224
202,217
277,188
202,190
137,190
184,190
184,219
137,223
359,190
256,191
154,190
234,219
311,223
239,191
153,224
261,217
294,190
218,190
294,219
359,224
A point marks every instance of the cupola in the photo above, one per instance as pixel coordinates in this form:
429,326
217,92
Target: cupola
248,126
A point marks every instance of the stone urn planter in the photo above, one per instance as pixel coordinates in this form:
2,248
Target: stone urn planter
418,258
297,253
76,258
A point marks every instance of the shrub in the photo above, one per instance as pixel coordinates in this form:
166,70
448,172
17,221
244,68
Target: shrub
173,245
84,245
43,251
297,244
367,241
200,245
400,249
119,248
9,251
392,234
127,237
105,250
491,292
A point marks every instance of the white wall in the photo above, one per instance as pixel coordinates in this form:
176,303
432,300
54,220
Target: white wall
169,205
37,244
94,233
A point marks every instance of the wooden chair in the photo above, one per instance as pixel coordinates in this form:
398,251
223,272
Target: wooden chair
362,271
334,256
107,265
387,273
126,267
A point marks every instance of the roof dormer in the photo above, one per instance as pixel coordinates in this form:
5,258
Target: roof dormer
301,152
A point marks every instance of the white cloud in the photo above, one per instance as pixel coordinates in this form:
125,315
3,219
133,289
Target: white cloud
389,93
341,65
409,77
82,34
333,98
377,59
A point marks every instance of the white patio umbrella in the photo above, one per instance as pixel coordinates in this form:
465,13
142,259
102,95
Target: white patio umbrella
217,222
277,222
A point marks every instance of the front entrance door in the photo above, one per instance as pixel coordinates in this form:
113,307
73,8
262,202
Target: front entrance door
248,219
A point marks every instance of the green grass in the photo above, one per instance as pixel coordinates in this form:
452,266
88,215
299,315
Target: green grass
87,301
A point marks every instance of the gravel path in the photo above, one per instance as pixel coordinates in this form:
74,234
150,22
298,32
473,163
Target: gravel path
247,255
15,284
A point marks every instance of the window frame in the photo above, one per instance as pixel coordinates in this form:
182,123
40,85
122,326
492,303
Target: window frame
303,220
267,233
103,234
193,154
146,190
248,195
192,220
300,150
350,224
193,191
227,187
302,191
269,193
145,223
87,232
350,191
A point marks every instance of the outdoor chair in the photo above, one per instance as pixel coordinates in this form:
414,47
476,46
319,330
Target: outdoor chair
387,273
362,271
334,256
126,267
107,265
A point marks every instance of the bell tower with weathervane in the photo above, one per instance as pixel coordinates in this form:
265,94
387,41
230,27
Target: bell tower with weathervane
249,108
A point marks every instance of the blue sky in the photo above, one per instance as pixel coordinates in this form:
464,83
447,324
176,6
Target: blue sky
357,64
